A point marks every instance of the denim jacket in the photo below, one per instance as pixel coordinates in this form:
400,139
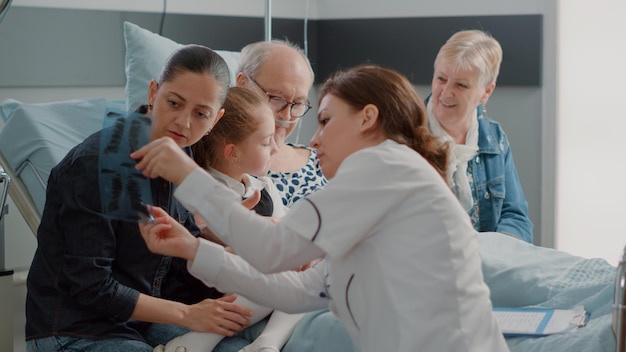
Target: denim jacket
501,201
88,271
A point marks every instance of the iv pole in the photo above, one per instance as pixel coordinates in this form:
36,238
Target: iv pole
268,20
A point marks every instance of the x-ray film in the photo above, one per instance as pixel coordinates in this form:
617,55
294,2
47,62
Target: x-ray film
124,191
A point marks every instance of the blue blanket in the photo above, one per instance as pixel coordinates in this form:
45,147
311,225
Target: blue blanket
522,275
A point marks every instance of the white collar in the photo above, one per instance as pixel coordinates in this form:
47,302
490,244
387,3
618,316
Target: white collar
245,188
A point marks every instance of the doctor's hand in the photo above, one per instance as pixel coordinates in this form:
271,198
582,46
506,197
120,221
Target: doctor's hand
167,236
164,158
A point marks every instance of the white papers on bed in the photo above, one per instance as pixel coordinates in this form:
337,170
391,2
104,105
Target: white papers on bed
539,321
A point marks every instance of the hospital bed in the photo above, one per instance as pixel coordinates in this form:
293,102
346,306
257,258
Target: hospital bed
6,275
35,137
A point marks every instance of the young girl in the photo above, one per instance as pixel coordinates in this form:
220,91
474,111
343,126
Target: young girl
240,148
237,152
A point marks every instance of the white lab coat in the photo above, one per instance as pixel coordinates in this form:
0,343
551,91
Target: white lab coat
404,271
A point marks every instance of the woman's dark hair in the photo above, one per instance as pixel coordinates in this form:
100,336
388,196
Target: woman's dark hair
402,113
197,59
235,126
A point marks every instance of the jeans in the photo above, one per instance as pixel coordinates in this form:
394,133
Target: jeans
155,335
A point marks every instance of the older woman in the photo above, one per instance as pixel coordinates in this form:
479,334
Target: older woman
482,173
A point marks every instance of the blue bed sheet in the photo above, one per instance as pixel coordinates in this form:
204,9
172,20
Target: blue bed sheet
522,275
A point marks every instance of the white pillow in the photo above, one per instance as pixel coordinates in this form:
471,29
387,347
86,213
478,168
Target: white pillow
146,54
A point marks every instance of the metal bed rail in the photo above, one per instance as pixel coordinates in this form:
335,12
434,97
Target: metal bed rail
4,208
5,179
619,305
20,195
6,276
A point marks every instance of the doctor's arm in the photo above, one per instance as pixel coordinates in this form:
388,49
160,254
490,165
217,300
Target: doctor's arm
289,291
266,245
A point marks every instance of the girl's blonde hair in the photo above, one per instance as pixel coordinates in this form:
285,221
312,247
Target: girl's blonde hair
234,127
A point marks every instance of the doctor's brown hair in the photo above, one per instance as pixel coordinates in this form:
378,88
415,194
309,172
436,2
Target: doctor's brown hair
402,113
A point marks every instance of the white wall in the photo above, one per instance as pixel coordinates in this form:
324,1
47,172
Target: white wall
403,8
252,8
317,9
591,167
548,127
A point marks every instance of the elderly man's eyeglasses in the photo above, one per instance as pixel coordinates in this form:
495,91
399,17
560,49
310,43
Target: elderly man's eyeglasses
279,103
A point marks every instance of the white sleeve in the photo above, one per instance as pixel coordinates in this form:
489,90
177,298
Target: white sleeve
268,246
289,291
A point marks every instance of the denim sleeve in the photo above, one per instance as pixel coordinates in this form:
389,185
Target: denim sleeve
514,218
91,245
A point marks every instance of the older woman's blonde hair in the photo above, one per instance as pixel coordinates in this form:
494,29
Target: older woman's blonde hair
472,50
